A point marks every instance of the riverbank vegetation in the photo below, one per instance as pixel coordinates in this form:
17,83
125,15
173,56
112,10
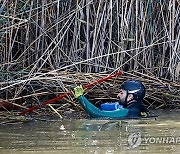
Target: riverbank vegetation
47,47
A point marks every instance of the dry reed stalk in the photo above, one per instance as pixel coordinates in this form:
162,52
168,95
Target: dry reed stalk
40,38
157,90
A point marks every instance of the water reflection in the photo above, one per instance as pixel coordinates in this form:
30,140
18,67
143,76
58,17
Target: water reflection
92,136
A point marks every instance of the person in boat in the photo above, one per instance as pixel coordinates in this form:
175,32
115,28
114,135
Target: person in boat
130,97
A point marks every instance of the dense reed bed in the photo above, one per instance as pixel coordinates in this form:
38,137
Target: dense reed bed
43,43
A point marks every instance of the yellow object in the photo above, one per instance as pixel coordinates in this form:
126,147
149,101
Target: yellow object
78,91
144,114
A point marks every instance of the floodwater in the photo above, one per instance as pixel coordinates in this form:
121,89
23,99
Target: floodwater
81,136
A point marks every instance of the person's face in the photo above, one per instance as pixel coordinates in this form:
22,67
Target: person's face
122,96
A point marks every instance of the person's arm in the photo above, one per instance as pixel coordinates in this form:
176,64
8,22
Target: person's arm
95,112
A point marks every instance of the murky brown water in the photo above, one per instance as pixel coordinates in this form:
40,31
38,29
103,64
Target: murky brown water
94,136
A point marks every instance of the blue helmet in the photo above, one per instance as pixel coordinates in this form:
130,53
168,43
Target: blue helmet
134,87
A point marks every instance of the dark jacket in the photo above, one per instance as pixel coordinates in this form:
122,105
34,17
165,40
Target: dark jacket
133,110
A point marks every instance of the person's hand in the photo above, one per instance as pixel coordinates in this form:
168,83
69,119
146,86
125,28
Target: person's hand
78,91
145,114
